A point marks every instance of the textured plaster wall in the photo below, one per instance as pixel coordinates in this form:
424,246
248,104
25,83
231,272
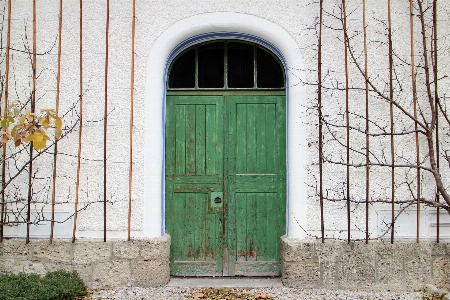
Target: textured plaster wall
153,19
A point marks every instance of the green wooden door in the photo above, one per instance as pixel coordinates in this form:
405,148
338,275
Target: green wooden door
225,183
255,183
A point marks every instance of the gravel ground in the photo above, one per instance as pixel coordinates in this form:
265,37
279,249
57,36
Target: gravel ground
282,293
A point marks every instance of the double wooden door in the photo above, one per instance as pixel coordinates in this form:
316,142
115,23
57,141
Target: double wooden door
225,182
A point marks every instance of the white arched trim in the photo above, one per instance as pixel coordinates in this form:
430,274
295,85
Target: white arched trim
198,28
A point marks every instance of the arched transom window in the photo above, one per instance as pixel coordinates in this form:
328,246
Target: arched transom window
226,65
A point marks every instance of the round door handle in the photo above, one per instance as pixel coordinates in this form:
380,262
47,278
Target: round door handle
217,200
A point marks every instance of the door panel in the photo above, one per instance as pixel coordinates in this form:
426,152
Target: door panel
231,148
256,186
194,170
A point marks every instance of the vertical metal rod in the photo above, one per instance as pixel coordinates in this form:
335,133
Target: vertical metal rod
366,75
436,99
391,107
347,115
225,63
319,104
8,45
55,152
414,90
33,108
105,123
80,132
130,174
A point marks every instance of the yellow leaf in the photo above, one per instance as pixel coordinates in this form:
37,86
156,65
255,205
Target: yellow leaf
32,137
44,121
38,145
58,122
22,119
39,139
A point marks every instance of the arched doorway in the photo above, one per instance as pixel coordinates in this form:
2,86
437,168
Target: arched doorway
225,160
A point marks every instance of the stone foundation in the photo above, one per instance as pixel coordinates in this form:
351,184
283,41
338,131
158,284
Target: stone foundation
115,263
378,265
404,265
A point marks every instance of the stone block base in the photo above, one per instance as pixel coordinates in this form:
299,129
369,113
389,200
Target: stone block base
404,265
111,264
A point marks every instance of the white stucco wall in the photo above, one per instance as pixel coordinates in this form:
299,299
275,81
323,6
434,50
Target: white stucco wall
290,26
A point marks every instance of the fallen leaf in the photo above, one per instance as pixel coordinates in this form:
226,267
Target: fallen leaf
198,295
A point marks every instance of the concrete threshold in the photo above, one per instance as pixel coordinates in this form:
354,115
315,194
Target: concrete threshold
222,282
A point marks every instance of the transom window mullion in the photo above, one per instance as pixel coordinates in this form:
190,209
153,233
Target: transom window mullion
196,68
255,71
225,69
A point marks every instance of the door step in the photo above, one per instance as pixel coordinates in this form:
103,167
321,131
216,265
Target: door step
221,282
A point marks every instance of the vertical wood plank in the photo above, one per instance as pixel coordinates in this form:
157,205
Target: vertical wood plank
180,139
199,213
241,139
200,144
252,226
271,140
210,140
251,138
230,168
189,209
211,236
260,127
179,204
241,226
190,139
263,221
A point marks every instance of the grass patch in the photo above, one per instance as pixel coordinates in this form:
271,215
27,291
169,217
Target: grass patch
58,285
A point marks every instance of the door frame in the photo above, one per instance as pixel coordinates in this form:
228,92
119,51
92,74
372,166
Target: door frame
197,29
